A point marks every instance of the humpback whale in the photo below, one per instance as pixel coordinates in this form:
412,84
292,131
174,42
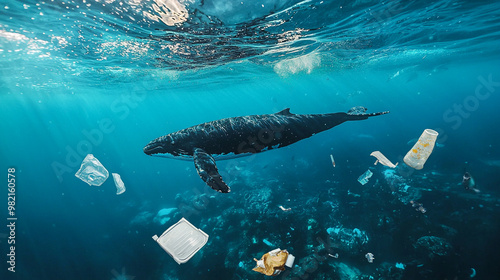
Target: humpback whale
241,136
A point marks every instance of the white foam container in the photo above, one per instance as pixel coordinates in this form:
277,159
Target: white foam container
182,241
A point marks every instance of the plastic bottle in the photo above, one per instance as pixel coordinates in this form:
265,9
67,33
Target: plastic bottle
421,151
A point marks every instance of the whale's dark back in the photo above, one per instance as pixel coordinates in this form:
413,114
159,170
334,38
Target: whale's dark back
253,134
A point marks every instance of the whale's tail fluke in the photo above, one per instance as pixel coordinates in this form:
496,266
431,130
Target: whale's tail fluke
358,113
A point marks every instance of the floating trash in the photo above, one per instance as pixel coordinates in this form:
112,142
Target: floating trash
273,263
418,206
369,257
382,159
363,179
333,161
120,187
92,171
421,151
182,240
285,209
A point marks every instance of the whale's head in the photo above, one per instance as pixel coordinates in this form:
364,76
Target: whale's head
167,146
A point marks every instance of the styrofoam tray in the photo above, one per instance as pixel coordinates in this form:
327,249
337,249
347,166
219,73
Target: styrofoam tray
182,240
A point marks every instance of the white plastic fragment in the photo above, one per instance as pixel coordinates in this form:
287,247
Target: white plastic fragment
92,171
285,209
369,257
363,179
333,161
383,160
290,260
120,187
182,240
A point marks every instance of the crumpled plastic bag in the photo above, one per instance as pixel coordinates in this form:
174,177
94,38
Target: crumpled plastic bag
120,186
92,171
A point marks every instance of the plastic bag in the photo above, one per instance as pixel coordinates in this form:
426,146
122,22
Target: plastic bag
92,171
120,187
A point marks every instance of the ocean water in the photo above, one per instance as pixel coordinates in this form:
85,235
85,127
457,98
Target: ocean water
106,77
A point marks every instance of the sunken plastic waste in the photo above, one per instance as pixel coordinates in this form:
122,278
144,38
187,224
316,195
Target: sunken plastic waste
418,155
363,179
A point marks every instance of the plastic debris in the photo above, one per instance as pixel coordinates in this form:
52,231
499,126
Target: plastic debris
363,179
400,265
267,242
383,160
369,257
418,206
92,171
336,256
120,187
274,262
182,240
285,209
418,155
333,161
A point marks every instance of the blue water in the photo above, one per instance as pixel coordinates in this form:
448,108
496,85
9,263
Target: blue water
107,77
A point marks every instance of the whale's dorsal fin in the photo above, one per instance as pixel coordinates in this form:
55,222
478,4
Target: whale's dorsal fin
206,168
285,112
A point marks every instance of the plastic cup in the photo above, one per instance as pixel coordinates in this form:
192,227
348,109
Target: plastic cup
418,155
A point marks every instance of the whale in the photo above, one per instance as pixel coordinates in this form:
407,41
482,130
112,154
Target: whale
242,136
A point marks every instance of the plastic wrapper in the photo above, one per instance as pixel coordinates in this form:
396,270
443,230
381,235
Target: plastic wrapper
120,187
92,171
363,179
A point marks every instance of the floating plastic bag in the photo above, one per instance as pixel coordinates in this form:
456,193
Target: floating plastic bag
120,187
182,240
421,151
363,179
92,171
382,159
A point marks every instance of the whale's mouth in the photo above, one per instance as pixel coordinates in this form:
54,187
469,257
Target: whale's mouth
151,149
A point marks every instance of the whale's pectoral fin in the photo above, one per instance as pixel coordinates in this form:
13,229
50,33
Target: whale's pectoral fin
206,168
